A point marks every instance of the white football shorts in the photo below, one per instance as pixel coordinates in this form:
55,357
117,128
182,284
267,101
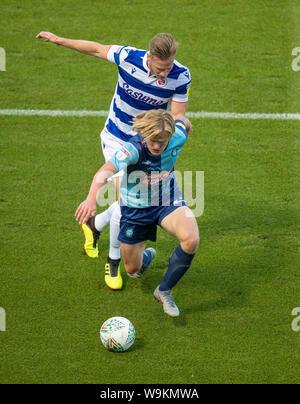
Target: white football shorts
110,145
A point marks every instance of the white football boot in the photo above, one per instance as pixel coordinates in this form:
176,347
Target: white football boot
167,299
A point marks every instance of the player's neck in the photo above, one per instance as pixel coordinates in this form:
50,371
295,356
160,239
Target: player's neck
150,72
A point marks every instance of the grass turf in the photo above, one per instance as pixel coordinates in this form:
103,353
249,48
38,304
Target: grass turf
237,298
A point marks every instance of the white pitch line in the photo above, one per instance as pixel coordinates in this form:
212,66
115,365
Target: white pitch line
48,112
233,115
200,114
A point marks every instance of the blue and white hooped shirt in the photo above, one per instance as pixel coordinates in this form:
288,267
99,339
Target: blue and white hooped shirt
138,91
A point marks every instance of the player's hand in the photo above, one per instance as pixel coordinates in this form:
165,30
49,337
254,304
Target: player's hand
49,37
85,210
189,126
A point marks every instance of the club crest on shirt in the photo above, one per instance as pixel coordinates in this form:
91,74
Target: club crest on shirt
161,83
174,152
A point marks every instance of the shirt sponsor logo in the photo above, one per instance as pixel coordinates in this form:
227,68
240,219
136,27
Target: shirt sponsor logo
137,95
154,177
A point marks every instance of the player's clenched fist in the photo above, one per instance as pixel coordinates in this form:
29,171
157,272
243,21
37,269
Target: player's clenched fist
49,37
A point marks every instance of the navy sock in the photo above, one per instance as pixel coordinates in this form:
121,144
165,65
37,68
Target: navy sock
179,263
147,258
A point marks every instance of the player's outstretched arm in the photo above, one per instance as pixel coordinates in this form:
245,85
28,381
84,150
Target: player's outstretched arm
88,207
87,47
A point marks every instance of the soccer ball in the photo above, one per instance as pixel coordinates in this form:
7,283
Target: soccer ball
117,334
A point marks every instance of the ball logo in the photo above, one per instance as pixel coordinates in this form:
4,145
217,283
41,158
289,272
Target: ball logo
161,83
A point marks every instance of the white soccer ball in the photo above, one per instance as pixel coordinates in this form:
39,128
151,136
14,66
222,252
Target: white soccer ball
117,334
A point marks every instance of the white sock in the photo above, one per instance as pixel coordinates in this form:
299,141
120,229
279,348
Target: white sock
115,245
103,218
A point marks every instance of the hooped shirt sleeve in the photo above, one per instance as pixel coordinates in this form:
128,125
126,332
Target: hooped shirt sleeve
117,54
128,155
182,91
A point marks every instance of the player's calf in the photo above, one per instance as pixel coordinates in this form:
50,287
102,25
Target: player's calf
135,271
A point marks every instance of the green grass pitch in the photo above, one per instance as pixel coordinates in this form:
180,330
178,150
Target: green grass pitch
237,298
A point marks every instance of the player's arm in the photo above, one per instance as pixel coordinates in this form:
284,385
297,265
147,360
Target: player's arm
88,47
88,207
179,117
178,110
180,97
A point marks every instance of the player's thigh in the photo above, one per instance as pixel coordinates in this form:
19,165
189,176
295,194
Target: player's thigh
181,223
132,255
110,145
109,148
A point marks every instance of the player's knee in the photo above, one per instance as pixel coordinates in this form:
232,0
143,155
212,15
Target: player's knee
132,270
191,243
131,267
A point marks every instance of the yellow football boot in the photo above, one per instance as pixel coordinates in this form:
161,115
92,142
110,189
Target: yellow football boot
113,278
91,238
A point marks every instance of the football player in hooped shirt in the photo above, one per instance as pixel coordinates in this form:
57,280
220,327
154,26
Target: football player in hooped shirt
147,80
149,197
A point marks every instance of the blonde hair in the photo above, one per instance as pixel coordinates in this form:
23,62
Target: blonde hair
152,123
163,46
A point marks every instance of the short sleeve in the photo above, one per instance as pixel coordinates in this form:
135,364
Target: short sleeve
128,155
181,93
117,54
180,132
180,127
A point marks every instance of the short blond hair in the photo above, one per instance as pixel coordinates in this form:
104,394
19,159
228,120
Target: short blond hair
152,123
163,46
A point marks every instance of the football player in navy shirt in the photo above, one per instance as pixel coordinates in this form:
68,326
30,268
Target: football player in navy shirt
150,197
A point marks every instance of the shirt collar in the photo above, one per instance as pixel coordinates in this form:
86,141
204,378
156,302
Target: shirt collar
146,67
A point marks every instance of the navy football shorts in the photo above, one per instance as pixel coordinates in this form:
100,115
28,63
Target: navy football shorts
139,225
